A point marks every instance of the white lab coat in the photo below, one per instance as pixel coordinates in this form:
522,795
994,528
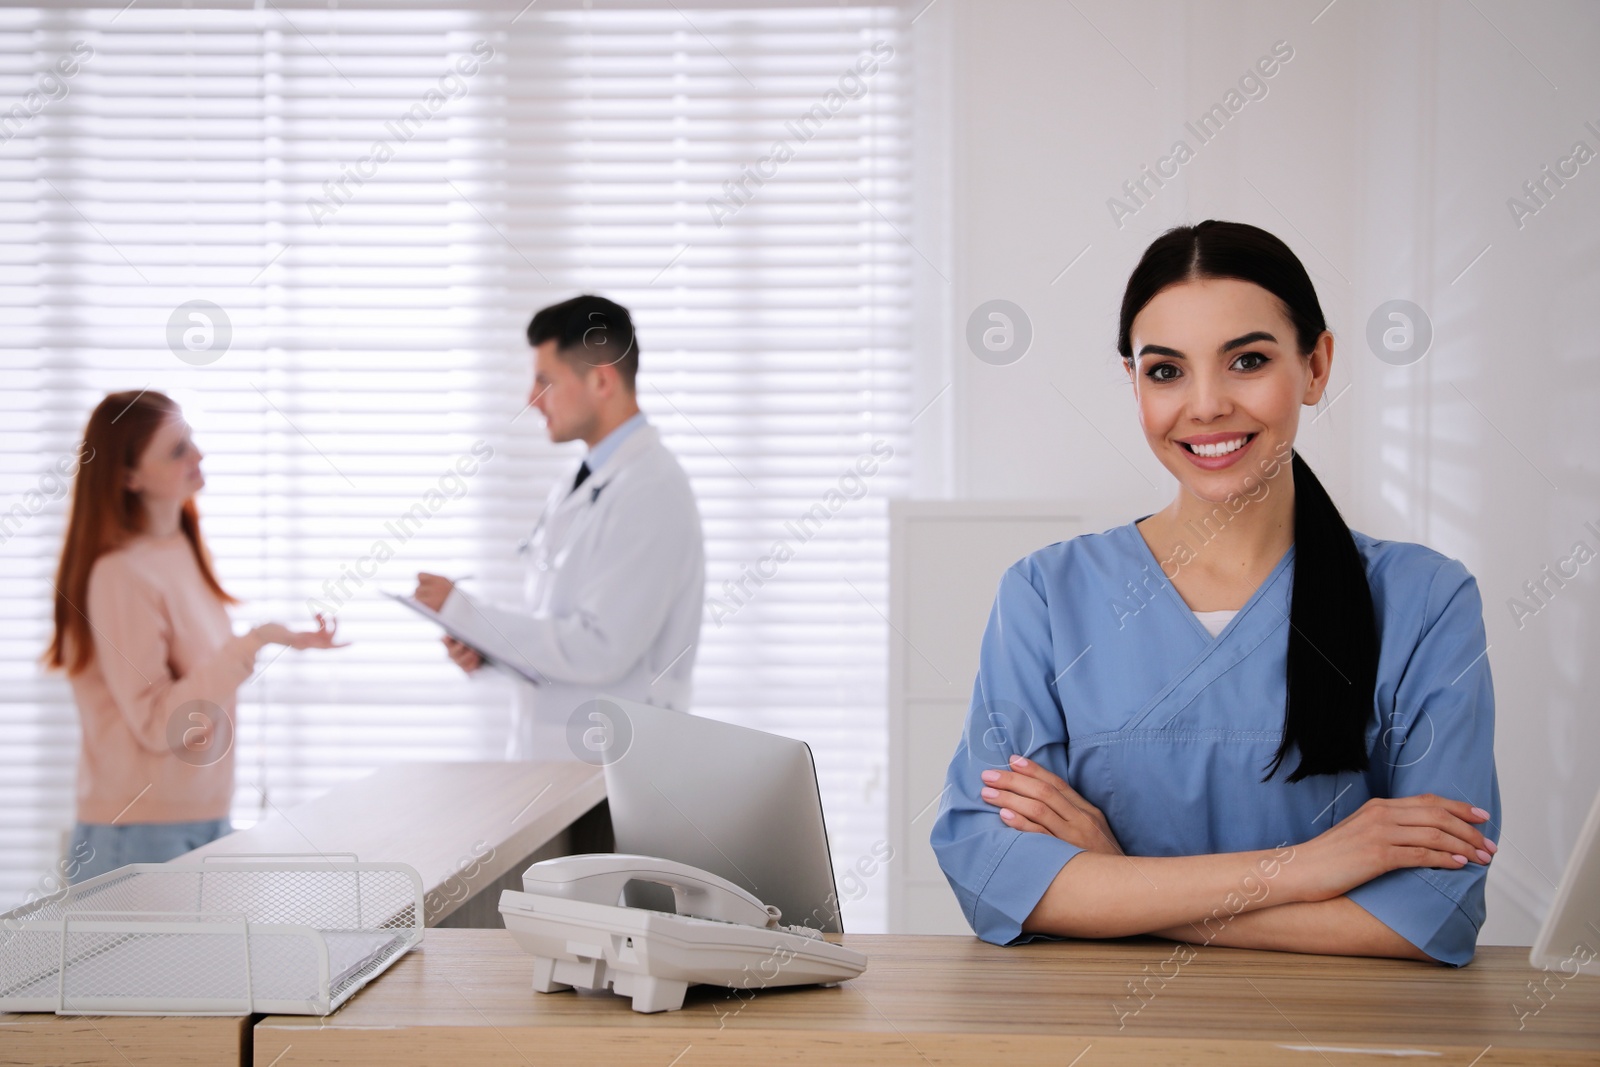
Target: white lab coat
613,597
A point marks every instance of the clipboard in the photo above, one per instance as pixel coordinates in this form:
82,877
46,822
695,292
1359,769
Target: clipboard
494,648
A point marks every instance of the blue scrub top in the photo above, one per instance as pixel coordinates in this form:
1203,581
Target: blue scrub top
1093,666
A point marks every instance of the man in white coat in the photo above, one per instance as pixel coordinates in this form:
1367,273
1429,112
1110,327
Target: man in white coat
616,564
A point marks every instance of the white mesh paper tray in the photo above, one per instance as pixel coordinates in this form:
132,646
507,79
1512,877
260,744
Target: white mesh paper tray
224,937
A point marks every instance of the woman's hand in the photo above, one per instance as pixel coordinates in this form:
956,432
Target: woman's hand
464,656
1387,834
275,633
1033,799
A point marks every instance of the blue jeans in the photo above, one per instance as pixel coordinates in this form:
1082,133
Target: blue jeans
99,847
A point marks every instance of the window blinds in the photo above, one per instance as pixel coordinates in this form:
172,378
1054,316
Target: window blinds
323,230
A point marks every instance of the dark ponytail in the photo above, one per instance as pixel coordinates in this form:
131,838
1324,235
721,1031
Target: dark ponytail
1333,633
1333,640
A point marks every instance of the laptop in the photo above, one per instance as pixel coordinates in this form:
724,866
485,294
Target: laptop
1569,940
737,802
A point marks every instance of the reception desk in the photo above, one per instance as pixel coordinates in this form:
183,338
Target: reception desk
465,997
469,829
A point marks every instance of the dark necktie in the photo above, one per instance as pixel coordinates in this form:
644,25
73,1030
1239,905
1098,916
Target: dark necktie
583,475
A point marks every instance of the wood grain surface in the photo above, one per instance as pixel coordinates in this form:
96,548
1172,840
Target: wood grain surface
464,996
38,1040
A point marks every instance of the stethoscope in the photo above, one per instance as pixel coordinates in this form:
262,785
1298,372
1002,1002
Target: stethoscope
525,546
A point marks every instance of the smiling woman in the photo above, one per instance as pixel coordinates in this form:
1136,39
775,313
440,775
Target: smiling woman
1175,765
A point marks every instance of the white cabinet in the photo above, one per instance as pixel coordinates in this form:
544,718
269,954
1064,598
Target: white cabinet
945,562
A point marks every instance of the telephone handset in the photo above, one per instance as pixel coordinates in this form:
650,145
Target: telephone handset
568,916
600,878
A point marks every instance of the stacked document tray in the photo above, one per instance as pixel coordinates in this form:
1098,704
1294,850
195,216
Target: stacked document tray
225,937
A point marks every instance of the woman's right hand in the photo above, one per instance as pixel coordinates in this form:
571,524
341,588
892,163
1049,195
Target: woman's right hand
275,633
1387,834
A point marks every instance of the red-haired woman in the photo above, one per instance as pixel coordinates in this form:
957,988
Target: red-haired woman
142,630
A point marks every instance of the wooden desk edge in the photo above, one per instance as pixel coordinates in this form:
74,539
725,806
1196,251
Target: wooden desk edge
119,1040
738,1047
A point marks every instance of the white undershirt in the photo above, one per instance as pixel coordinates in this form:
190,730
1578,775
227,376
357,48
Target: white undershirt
1214,621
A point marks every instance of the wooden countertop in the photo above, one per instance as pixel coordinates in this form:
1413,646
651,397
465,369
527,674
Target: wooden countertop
126,1041
465,996
461,825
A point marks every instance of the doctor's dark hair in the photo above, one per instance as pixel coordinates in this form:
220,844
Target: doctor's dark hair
1333,636
590,331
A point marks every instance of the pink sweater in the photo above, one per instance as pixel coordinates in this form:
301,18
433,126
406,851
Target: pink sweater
164,650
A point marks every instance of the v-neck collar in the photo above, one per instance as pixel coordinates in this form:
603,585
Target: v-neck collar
1143,547
1215,655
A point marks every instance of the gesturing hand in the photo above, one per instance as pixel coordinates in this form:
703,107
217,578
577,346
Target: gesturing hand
275,633
1033,799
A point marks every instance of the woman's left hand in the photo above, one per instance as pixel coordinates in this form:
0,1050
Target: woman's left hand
1031,798
324,636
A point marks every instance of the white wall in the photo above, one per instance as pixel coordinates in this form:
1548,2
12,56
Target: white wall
1383,153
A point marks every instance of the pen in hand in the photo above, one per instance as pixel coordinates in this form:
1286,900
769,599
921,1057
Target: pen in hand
433,590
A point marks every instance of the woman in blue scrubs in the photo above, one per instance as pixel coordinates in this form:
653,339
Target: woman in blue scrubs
1235,721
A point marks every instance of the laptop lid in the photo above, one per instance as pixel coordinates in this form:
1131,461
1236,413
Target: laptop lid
1569,940
737,802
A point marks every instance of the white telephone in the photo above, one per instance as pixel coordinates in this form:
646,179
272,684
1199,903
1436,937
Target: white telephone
569,918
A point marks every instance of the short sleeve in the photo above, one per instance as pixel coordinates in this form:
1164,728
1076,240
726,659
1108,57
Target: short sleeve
999,874
1440,739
